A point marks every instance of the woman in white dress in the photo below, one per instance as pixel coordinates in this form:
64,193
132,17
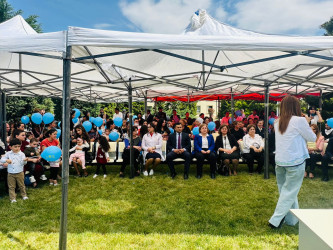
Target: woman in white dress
152,146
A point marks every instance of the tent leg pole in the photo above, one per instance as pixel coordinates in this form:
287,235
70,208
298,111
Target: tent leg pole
66,108
3,117
131,128
232,106
266,152
146,103
320,105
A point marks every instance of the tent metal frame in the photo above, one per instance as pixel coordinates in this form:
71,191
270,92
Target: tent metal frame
288,79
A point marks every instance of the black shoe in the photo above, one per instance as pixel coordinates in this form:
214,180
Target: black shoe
212,175
279,226
121,175
137,173
325,178
185,176
173,175
199,176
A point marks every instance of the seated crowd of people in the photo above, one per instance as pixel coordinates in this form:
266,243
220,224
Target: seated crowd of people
222,146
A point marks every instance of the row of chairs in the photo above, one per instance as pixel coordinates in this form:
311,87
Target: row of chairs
117,149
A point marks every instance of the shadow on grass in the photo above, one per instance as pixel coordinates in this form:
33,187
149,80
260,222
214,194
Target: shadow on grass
227,206
25,246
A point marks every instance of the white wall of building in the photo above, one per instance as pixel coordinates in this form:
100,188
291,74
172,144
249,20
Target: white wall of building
202,107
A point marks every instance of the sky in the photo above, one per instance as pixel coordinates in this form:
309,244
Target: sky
285,17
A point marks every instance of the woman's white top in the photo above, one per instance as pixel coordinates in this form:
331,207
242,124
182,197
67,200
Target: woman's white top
314,119
226,142
249,141
149,141
290,147
204,141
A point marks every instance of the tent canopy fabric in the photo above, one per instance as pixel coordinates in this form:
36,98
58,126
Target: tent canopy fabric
258,97
208,58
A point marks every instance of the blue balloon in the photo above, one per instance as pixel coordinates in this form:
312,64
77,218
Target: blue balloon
75,120
77,113
238,113
113,136
171,130
118,121
211,126
134,116
58,133
271,121
100,132
195,131
51,153
98,121
37,118
48,118
330,122
25,119
87,126
59,124
91,119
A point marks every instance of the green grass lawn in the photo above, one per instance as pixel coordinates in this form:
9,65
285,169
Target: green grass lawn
157,212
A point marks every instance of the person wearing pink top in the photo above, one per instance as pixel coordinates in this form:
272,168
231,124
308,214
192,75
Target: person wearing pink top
225,119
273,115
254,115
316,152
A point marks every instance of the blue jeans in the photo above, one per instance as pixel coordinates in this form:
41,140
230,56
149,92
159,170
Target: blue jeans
289,181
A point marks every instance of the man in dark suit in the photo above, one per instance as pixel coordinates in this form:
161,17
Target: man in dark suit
260,128
149,117
179,146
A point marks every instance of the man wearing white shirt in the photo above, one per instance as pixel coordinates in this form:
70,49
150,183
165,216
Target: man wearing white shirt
117,114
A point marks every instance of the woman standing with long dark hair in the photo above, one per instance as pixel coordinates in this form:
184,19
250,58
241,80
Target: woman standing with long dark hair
292,131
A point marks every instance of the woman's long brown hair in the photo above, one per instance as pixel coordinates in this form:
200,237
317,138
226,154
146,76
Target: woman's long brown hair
290,106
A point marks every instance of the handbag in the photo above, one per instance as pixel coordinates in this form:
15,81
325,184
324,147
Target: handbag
223,170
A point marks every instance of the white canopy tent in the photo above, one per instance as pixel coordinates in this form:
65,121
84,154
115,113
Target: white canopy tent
209,57
103,66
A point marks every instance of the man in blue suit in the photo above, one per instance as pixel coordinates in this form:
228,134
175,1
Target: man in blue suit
179,146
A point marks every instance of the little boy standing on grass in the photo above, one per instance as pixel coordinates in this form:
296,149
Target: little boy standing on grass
16,161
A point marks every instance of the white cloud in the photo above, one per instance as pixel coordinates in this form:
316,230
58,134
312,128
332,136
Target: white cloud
220,13
164,16
302,17
102,25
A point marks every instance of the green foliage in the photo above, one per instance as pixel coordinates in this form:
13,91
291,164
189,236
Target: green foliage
157,212
32,21
181,107
7,12
20,106
328,26
248,106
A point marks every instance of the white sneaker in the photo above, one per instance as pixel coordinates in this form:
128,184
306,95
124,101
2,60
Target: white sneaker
145,173
151,172
51,183
32,179
55,184
95,175
104,176
13,201
25,198
43,177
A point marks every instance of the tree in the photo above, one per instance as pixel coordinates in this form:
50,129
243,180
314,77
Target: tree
328,99
328,26
8,12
